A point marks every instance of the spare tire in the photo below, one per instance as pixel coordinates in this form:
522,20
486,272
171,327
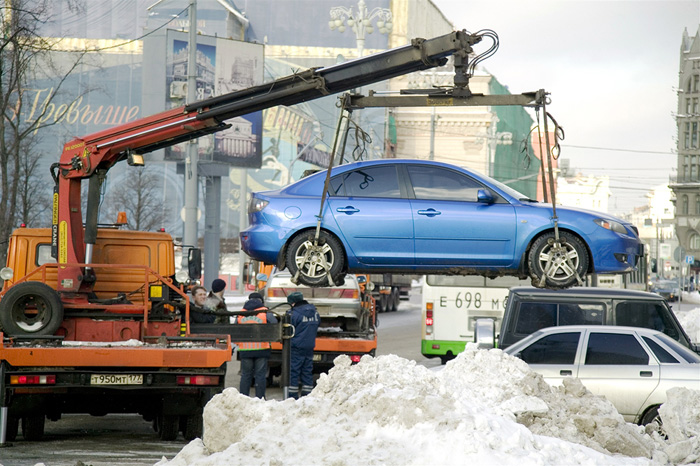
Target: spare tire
31,308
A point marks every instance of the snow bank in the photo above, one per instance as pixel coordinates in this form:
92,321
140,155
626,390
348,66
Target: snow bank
690,321
485,407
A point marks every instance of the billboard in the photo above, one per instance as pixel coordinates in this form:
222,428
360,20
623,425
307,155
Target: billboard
223,66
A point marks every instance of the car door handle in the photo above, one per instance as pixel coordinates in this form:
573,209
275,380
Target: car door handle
646,374
430,212
565,372
347,210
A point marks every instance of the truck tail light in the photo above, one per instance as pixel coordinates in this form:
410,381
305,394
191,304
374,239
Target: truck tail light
32,380
198,380
355,358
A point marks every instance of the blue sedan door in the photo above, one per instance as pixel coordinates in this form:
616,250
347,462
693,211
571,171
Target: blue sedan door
452,227
373,216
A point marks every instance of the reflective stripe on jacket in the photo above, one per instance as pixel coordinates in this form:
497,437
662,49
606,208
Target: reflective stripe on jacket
260,318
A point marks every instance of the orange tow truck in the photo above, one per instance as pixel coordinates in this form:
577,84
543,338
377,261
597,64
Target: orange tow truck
93,319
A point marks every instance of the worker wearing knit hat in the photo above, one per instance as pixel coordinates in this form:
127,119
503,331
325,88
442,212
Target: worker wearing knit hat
218,285
215,301
295,297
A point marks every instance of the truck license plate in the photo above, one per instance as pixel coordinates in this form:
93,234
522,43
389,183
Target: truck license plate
317,357
116,379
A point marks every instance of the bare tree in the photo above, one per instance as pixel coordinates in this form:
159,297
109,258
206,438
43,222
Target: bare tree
25,58
140,197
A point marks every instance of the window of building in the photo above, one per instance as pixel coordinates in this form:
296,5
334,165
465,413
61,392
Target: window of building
697,205
686,135
694,135
689,87
693,172
687,106
696,82
684,205
694,242
695,105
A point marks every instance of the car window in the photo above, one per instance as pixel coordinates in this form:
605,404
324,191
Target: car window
661,354
581,314
379,181
534,316
646,315
615,348
685,353
559,348
436,183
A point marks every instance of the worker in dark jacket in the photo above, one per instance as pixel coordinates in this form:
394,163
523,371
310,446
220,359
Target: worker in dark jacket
199,313
305,320
254,355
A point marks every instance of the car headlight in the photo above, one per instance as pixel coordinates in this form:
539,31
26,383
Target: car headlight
256,205
611,225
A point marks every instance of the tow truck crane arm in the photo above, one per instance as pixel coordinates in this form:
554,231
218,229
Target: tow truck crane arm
93,155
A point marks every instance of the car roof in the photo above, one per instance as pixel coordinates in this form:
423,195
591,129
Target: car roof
584,292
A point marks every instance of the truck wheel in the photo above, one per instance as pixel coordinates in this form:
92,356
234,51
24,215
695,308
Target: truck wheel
31,308
33,427
383,303
192,426
566,261
395,299
12,429
306,258
168,427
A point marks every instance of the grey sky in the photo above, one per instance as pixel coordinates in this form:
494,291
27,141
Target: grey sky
612,70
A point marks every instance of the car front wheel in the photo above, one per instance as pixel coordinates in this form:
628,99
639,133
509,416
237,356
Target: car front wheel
311,262
561,263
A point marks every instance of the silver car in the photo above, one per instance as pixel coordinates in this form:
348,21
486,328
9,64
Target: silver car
632,367
338,305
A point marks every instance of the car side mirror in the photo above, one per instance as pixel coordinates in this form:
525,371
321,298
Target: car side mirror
194,263
484,196
485,333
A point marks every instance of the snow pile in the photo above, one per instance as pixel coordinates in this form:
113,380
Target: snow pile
681,419
690,321
690,297
485,407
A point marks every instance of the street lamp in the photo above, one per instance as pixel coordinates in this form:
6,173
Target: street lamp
361,21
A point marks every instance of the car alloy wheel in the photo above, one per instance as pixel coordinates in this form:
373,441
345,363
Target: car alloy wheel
561,263
310,262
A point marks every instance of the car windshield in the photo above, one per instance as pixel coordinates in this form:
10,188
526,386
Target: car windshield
666,284
684,352
507,189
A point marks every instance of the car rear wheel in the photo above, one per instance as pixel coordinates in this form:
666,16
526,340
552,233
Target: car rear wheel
652,419
561,263
312,263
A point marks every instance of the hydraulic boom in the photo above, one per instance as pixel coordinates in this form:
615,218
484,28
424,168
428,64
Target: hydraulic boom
93,155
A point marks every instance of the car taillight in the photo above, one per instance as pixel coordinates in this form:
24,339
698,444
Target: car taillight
351,294
198,380
32,380
256,205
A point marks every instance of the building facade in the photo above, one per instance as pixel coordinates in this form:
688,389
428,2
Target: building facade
686,184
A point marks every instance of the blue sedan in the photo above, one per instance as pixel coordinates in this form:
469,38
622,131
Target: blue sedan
415,216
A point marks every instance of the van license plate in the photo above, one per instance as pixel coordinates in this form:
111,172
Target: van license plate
116,379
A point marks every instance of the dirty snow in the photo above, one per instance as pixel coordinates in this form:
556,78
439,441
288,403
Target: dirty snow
484,407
